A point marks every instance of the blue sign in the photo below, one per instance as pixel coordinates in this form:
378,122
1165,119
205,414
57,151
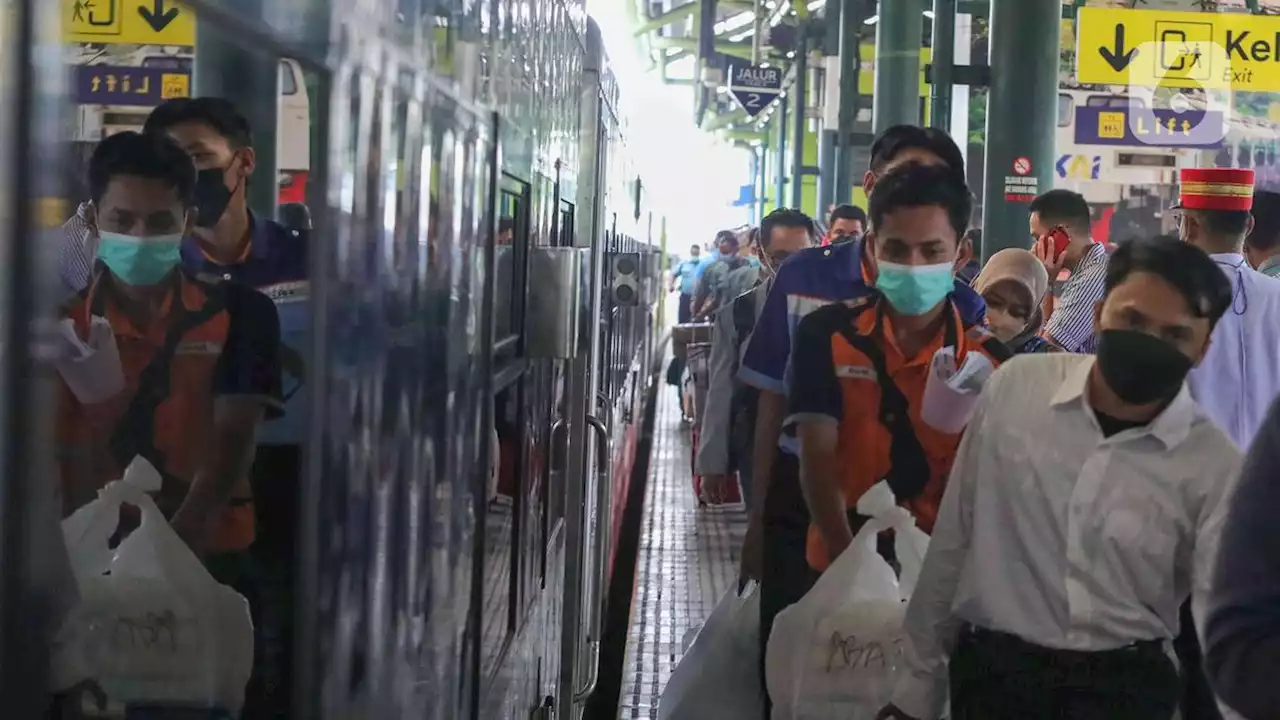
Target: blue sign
1145,127
754,87
746,196
135,86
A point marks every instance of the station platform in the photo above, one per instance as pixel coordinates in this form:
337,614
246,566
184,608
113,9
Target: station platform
687,559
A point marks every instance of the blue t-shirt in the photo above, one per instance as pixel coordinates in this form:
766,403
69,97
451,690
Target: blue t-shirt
687,271
277,265
808,280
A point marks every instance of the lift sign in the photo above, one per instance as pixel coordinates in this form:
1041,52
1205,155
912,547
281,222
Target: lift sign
754,87
1149,48
135,86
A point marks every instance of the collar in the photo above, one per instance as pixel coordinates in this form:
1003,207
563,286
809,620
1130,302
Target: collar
1096,252
99,300
1270,266
948,335
1231,260
259,242
1170,427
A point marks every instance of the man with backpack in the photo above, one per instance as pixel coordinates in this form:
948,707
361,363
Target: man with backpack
728,421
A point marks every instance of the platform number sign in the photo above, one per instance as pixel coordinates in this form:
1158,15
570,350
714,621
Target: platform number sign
754,87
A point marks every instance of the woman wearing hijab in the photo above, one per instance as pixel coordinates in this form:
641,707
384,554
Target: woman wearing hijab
1013,283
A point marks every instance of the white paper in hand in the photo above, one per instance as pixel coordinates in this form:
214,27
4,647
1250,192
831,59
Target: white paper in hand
951,391
90,368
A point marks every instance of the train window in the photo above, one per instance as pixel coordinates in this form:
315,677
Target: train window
1115,101
288,80
1066,108
566,223
509,275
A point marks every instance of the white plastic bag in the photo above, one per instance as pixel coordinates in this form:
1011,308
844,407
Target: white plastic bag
720,675
152,625
91,369
836,653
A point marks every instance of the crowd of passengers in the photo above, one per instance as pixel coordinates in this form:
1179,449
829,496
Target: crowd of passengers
206,300
1112,492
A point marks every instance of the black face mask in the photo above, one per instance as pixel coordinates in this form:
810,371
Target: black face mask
212,196
1140,368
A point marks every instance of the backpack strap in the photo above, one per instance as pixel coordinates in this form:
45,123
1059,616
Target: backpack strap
135,431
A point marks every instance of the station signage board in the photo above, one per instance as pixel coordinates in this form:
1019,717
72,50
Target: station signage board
1146,127
754,86
128,22
1150,48
129,86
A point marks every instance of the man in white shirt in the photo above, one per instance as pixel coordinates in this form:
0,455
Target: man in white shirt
1084,506
1239,377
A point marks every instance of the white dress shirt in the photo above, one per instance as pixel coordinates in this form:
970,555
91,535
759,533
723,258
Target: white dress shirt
1064,538
1239,377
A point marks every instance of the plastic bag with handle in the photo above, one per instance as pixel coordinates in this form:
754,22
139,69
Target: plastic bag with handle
837,652
720,675
152,627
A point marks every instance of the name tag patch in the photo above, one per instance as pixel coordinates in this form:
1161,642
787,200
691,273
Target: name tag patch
288,292
197,347
855,372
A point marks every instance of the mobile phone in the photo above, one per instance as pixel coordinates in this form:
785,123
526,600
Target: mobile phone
1058,239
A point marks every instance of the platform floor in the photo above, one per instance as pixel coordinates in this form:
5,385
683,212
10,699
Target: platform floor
687,560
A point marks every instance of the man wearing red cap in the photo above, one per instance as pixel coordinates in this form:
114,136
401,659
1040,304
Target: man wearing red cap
1238,377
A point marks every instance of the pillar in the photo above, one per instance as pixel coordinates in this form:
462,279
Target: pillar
1022,113
850,20
944,54
228,69
897,85
780,198
826,173
799,121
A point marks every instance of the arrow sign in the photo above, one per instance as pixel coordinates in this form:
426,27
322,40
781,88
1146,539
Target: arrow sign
156,16
1118,59
754,87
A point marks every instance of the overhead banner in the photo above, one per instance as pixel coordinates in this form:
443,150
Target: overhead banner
754,86
1151,48
129,22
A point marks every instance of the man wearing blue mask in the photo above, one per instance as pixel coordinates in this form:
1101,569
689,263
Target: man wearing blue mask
774,549
200,360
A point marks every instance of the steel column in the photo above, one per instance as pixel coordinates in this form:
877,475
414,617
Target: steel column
761,183
799,92
1022,113
780,198
850,20
944,55
897,85
826,172
225,68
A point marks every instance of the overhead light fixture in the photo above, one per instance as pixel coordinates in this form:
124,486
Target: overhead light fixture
876,18
816,5
737,22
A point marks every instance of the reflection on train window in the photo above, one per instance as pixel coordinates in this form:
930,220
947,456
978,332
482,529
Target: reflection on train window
566,224
510,245
498,526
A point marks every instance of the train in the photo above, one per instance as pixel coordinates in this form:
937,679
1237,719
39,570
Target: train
491,301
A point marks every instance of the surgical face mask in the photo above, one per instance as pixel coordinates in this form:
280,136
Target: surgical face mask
1003,325
213,196
1140,368
139,260
753,261
915,289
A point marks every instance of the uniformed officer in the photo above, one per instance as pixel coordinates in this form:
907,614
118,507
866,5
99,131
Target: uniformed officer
860,368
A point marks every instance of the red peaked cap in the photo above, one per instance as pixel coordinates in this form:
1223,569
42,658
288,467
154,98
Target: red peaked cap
1216,189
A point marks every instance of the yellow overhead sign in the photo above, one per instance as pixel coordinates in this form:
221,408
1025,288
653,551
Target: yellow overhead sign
867,73
130,22
1149,48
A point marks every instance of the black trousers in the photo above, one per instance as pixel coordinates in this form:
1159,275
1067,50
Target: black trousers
786,575
684,311
1198,701
996,676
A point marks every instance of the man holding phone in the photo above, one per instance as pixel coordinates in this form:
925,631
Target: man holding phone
1060,224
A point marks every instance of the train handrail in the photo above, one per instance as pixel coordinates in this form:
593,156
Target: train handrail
600,559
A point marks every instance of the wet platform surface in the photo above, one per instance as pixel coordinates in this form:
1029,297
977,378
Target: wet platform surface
687,560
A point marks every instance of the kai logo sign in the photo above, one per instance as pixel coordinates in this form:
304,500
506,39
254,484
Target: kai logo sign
1147,48
1079,167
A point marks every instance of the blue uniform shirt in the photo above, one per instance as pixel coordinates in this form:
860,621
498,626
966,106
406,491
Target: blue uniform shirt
277,265
687,271
810,279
